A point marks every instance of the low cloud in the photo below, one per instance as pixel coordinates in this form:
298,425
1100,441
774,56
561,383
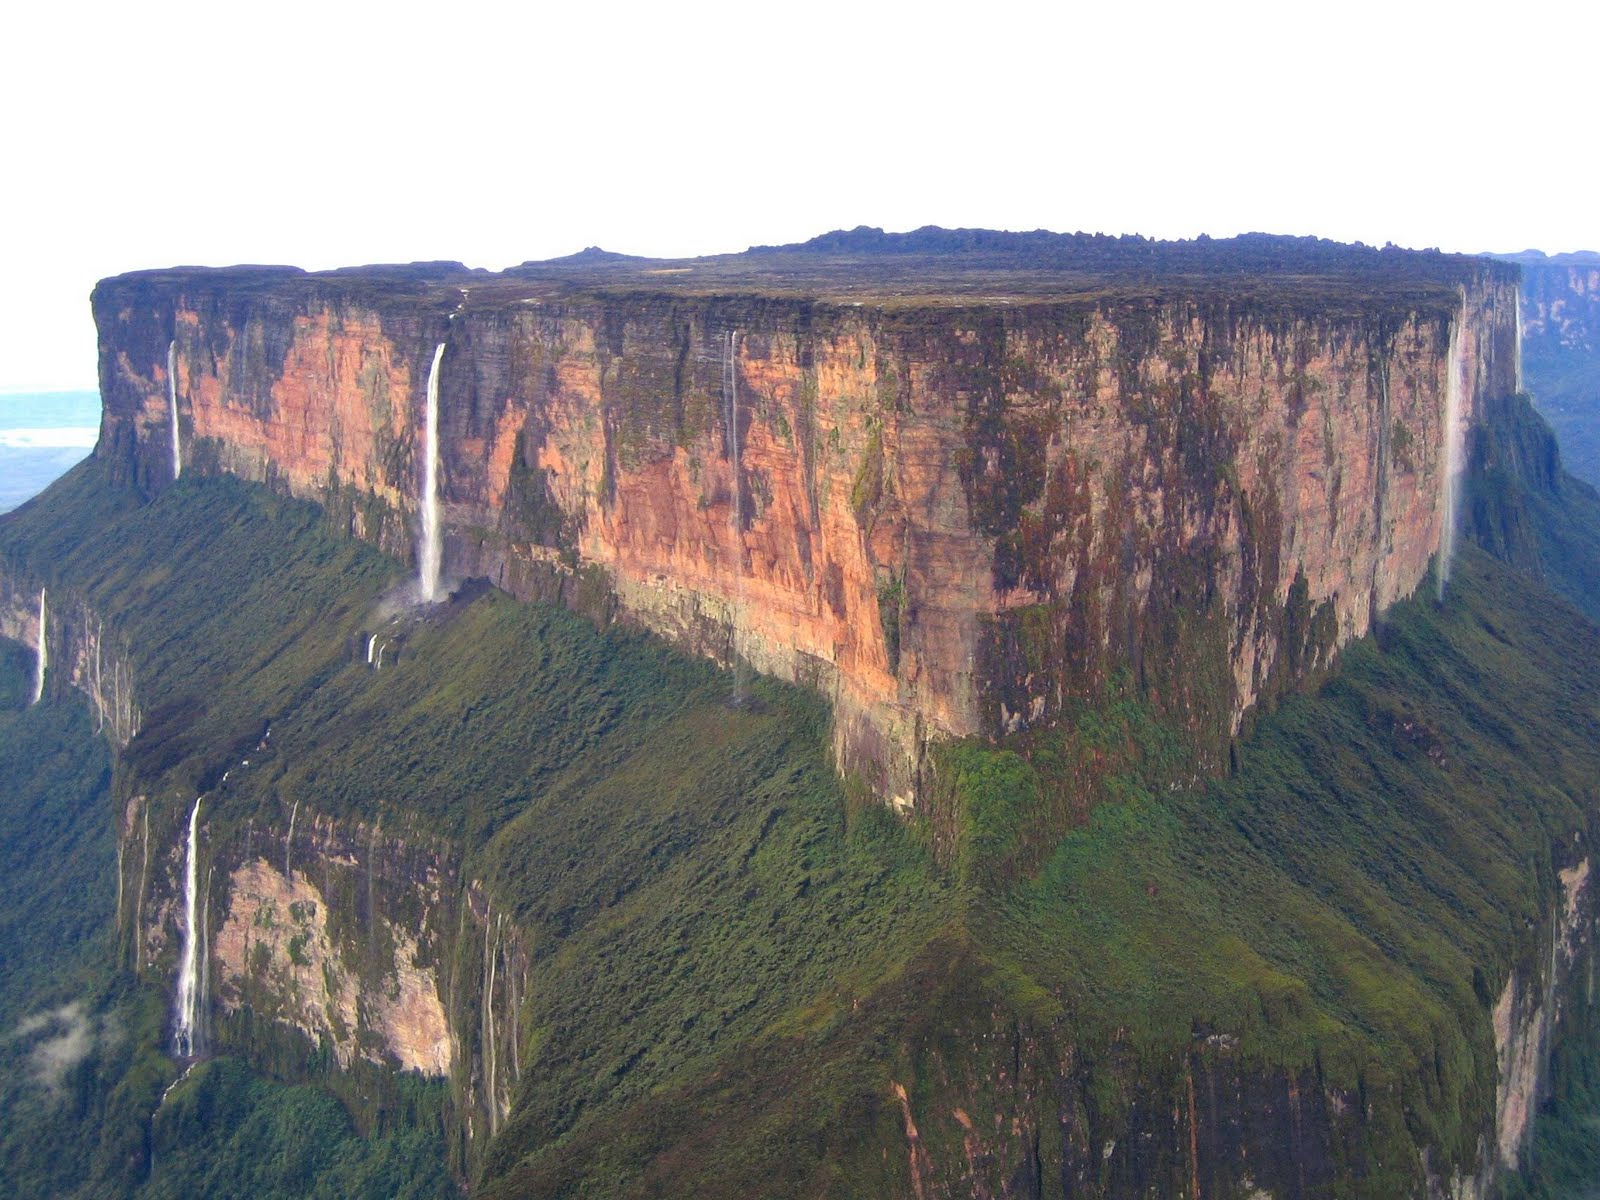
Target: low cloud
57,437
70,1038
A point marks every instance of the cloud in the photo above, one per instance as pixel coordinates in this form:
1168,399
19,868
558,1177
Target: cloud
62,436
72,1037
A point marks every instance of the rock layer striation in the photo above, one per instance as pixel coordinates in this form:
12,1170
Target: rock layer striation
957,493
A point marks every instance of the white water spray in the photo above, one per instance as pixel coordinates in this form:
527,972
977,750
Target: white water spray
144,879
730,387
431,551
372,640
172,399
491,955
1517,307
1454,451
42,659
188,971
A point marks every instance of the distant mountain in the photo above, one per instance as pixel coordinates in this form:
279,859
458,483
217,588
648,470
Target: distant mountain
1561,349
1539,258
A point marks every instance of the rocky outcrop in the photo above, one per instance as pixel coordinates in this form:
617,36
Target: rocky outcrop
79,654
1528,1011
952,518
1561,304
360,946
1561,351
1015,1108
275,948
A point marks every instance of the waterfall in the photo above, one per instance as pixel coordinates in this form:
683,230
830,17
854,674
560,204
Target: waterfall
288,842
202,1014
172,398
491,952
431,551
730,389
144,880
1454,446
42,659
372,641
1517,308
185,1042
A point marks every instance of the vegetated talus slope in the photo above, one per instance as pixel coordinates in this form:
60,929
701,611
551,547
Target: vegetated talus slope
746,983
598,782
1339,913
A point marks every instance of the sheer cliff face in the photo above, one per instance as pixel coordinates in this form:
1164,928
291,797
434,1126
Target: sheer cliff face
953,520
1561,308
1561,351
80,654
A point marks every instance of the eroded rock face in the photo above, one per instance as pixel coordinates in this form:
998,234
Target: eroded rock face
80,654
334,934
951,520
276,948
1561,307
1561,351
1527,1012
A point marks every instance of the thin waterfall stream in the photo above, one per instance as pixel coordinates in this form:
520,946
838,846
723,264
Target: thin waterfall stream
431,552
730,388
1454,450
42,659
172,401
186,1042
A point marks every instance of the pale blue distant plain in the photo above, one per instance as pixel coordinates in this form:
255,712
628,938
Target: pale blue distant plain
60,425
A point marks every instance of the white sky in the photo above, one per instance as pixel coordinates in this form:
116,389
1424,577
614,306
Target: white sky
326,134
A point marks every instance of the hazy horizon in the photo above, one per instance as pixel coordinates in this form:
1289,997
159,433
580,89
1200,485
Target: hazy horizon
43,434
505,134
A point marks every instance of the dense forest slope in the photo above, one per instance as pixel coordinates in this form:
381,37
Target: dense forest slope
512,894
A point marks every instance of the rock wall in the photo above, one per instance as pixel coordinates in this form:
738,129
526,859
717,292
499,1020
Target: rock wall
951,519
1530,1008
1561,352
334,942
79,655
1025,1110
1561,306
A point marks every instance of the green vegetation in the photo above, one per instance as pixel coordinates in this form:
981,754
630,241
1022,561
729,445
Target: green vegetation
1344,905
648,839
733,967
227,1132
55,825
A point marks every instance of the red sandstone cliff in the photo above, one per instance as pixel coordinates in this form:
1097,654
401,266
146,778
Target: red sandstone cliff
953,513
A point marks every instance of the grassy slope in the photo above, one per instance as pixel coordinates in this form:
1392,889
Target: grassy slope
733,963
55,816
686,873
1344,902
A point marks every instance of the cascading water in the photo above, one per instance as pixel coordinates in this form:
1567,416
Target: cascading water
491,955
1517,308
372,640
172,399
1454,447
730,390
430,553
42,659
185,1041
